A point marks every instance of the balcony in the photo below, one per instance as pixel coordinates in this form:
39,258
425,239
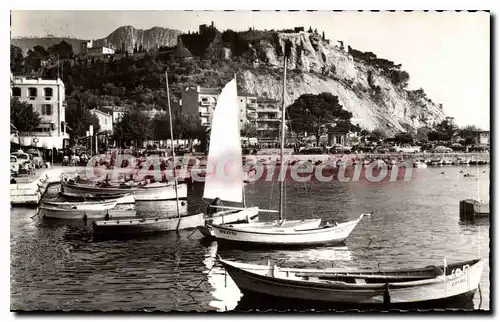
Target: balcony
252,115
252,105
205,103
267,119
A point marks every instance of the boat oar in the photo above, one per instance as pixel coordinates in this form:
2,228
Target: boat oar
37,213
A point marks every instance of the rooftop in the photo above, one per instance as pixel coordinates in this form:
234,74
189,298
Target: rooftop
32,81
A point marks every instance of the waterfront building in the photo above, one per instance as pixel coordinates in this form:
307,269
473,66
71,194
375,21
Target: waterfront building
116,112
267,117
482,138
201,102
105,120
47,97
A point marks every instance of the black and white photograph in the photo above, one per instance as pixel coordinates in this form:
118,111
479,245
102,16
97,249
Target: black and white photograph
250,161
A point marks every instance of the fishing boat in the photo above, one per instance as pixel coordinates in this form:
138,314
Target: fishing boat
160,191
225,153
282,232
85,205
82,197
142,192
72,213
152,225
330,286
146,225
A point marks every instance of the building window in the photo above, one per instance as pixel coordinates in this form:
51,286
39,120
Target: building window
16,91
48,93
46,109
32,93
105,121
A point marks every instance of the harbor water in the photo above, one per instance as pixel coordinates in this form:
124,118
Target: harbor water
57,265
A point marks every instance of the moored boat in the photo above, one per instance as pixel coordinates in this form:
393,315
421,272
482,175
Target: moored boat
86,205
82,197
65,213
160,191
330,286
225,145
146,225
282,233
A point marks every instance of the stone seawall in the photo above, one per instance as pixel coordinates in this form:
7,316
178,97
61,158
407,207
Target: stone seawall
28,191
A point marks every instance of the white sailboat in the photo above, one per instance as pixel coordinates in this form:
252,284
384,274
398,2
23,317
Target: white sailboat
283,232
225,180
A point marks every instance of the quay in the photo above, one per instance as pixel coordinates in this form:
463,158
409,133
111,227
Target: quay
29,190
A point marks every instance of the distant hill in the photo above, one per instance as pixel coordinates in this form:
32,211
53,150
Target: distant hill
125,36
26,43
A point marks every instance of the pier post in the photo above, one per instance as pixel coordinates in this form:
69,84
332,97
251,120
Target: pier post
467,210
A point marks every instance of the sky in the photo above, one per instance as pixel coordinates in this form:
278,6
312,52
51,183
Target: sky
446,53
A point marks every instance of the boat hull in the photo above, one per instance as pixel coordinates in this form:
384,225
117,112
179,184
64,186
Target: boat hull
71,214
82,206
163,192
152,192
120,199
287,236
283,283
229,217
146,225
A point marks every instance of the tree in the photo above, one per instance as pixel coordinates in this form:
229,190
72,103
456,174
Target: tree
135,125
161,126
378,134
78,116
62,49
323,35
314,113
249,131
310,30
446,129
469,133
423,134
23,116
16,59
403,137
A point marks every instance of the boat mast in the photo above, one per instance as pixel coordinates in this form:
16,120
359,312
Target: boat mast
173,152
282,180
241,161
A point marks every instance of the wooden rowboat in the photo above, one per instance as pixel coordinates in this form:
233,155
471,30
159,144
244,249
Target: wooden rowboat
64,213
146,225
431,283
120,199
86,205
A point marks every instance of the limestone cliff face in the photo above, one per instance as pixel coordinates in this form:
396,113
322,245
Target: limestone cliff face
317,66
128,37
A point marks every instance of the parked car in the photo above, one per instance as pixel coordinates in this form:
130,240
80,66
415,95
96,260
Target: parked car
315,150
337,148
14,166
478,148
25,162
408,149
442,149
381,150
37,157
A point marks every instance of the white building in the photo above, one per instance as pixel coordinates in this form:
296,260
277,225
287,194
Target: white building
47,97
116,112
105,120
100,52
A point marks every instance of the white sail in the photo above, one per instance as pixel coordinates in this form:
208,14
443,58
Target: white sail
224,178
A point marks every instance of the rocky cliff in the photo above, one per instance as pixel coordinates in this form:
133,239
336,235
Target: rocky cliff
126,37
315,66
